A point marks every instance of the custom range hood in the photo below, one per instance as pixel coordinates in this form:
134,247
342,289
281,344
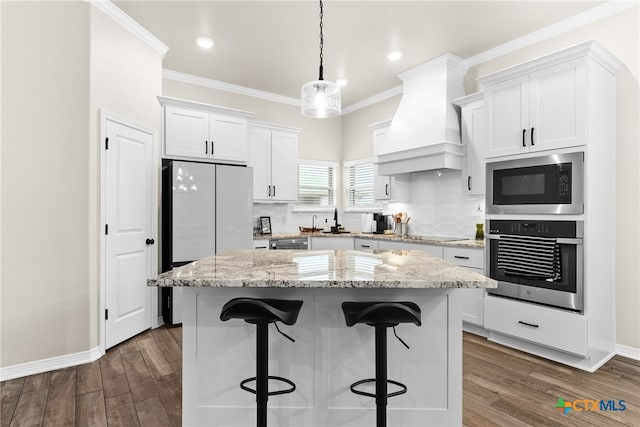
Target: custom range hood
425,131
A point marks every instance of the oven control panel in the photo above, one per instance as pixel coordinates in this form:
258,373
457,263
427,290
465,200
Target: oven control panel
535,228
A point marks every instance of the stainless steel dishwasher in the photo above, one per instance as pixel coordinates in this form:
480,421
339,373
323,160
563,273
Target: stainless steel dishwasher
301,243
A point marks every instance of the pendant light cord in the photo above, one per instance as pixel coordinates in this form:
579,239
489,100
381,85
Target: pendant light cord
321,44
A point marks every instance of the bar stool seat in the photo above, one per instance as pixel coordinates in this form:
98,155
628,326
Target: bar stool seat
262,312
381,315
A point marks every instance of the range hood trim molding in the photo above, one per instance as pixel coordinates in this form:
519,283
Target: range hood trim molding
444,155
425,131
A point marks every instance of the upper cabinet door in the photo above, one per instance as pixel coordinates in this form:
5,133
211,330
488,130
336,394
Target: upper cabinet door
381,185
507,117
558,106
260,161
186,133
229,138
284,166
473,137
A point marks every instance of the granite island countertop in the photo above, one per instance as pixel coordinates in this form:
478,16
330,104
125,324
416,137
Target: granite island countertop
425,240
323,269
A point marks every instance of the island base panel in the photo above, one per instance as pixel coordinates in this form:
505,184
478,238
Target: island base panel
326,358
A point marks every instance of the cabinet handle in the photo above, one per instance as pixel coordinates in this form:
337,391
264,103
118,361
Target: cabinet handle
206,147
469,182
460,257
269,190
150,241
260,247
532,143
274,191
386,189
365,246
524,131
528,324
212,147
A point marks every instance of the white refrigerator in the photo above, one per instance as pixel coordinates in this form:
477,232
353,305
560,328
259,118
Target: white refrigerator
206,209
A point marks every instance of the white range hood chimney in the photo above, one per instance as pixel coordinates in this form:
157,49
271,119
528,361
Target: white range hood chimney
425,131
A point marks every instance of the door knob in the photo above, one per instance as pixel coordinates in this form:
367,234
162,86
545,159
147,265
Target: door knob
150,241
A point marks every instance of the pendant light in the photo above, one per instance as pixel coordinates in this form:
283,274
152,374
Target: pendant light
320,98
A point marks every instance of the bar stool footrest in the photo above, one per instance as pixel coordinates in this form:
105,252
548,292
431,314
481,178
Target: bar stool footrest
403,388
271,393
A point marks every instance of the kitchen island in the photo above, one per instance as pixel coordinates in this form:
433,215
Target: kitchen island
327,356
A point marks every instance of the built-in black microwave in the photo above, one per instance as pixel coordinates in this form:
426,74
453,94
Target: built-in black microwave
536,185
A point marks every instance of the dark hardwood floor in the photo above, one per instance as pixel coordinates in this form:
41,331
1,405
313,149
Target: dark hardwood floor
139,383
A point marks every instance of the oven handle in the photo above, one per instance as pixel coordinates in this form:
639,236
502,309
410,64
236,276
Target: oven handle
561,240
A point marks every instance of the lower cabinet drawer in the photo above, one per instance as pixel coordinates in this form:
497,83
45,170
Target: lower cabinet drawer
552,328
466,257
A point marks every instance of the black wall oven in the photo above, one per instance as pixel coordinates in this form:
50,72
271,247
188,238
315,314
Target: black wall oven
537,261
538,185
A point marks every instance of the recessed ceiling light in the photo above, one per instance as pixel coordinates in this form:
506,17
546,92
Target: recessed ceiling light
204,42
394,55
342,82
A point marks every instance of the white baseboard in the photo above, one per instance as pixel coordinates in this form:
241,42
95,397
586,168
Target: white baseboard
50,364
626,351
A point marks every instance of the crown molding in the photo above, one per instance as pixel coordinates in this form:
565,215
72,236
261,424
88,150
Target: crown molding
115,13
228,87
588,16
390,93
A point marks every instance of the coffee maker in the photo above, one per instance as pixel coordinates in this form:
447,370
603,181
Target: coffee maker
381,223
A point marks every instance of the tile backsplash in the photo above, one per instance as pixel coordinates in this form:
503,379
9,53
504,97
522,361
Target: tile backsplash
437,207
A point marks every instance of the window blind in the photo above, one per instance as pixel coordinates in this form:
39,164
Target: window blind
316,185
359,181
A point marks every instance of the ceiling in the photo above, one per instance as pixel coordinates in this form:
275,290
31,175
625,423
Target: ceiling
273,46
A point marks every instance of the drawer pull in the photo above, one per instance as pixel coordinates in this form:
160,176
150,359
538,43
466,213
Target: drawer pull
365,246
460,257
528,324
260,247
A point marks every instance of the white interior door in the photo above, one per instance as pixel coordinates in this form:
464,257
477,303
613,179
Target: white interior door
129,257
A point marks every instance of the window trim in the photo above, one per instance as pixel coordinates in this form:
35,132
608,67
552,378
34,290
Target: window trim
318,208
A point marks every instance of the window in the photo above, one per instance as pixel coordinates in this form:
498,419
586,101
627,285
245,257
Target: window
316,184
359,184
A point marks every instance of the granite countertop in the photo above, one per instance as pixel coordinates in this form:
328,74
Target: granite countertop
425,240
323,269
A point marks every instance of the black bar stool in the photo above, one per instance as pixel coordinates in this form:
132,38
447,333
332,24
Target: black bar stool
381,315
261,312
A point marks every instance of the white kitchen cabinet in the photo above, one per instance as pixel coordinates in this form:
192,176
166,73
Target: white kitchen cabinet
391,245
331,243
535,323
542,109
204,132
473,138
273,154
472,299
382,184
360,244
262,244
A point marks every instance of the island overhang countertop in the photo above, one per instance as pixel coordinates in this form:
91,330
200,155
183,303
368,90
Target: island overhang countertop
323,269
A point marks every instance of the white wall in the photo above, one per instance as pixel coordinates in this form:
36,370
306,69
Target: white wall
45,278
61,62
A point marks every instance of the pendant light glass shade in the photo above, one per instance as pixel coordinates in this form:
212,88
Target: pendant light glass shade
320,99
